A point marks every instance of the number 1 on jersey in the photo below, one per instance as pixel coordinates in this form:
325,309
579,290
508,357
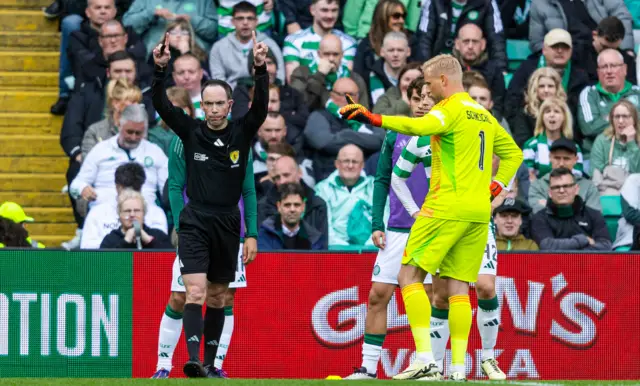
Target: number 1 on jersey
481,160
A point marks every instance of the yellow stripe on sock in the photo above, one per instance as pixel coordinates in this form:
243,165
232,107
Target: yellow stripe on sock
418,309
459,326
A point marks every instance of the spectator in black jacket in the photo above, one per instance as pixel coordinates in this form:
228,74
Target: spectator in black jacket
132,207
608,34
471,51
90,48
292,106
388,16
556,53
567,223
286,170
87,106
441,20
97,12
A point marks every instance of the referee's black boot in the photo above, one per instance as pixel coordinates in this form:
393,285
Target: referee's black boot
211,372
194,369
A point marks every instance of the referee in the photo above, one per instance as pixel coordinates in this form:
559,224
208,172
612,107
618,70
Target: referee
216,152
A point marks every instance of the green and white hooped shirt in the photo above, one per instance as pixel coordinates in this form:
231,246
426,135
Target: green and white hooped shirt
302,47
225,9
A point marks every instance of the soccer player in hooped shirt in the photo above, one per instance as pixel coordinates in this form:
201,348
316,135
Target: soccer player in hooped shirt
450,232
488,319
392,242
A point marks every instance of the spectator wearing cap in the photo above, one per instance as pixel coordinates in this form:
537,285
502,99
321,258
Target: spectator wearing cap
596,101
564,154
508,219
471,51
556,53
13,235
608,35
228,56
580,18
287,229
436,33
566,223
15,213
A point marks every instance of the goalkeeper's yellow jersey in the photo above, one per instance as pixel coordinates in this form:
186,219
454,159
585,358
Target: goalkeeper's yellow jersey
464,137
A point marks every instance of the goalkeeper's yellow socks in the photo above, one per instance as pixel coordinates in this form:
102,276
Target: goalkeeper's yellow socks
418,309
460,326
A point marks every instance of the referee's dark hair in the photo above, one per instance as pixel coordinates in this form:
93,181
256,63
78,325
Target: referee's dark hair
119,55
611,29
130,176
290,189
217,82
244,6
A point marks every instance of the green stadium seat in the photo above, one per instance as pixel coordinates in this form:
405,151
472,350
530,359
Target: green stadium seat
517,52
612,211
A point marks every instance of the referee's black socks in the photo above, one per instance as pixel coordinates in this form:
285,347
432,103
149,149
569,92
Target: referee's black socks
213,325
192,322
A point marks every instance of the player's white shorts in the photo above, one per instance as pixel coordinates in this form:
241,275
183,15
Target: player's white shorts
177,285
389,259
489,258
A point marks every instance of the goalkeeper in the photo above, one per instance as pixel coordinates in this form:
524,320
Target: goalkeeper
451,230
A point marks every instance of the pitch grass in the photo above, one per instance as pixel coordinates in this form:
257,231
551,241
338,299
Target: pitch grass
274,382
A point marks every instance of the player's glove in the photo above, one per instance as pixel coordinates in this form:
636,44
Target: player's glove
357,112
495,188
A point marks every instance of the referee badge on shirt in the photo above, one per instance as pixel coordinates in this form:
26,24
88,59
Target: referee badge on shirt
234,156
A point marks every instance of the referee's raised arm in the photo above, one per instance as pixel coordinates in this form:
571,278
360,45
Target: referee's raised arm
173,116
259,105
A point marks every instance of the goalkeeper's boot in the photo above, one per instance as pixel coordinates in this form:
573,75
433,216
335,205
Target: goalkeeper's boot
418,370
492,371
194,369
361,373
457,376
160,374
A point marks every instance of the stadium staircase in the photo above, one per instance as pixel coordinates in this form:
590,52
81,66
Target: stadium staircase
32,163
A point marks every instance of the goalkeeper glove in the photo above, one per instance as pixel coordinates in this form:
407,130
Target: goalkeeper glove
495,188
357,112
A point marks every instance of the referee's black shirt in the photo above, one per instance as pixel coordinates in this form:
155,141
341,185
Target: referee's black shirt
216,160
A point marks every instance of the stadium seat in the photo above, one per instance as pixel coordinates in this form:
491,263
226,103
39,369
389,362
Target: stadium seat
517,52
612,211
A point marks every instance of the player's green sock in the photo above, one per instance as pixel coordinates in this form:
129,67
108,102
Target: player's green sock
371,349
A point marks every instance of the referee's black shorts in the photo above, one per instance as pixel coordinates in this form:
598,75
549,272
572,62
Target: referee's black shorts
209,239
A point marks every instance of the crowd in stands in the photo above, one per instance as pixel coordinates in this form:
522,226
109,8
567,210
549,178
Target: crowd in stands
570,101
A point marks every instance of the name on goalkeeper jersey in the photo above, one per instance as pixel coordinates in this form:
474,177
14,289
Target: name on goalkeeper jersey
477,116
